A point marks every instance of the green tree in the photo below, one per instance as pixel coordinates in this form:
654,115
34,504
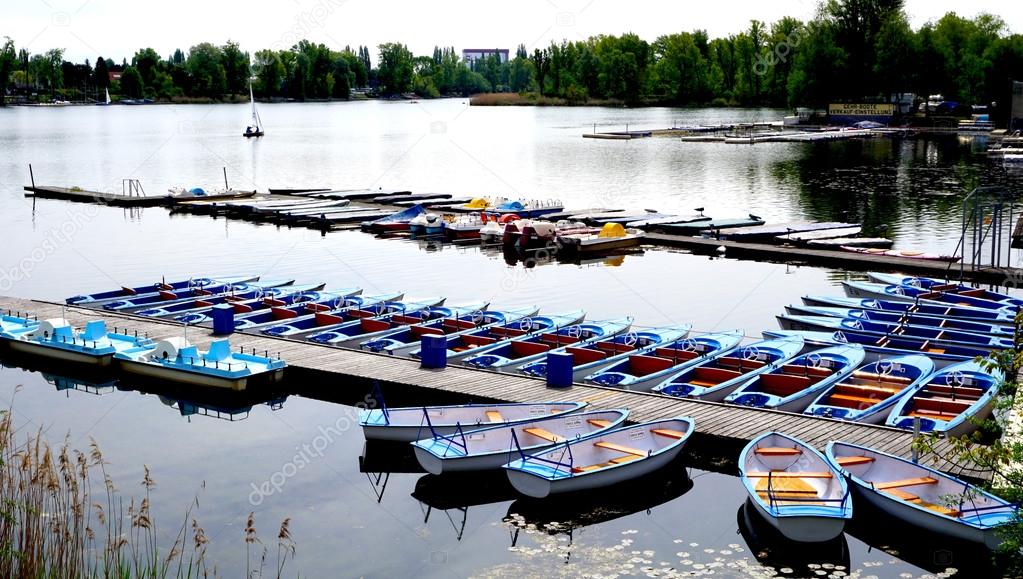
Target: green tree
8,61
101,74
269,73
132,83
236,68
206,70
395,70
145,62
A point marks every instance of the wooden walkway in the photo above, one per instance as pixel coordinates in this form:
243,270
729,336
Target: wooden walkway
725,424
83,196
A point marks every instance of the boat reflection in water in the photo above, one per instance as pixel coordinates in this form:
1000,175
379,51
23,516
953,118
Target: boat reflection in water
454,494
381,458
67,384
772,549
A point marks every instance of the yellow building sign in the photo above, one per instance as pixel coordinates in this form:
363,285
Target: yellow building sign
861,109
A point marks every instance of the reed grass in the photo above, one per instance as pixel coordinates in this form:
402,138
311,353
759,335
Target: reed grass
62,516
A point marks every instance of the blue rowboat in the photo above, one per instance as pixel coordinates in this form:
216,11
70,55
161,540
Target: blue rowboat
165,298
791,386
936,337
205,304
144,290
398,221
921,496
715,377
922,308
937,285
906,293
602,460
532,348
642,372
463,345
57,339
884,348
491,447
904,318
589,358
870,393
403,313
795,488
410,424
264,317
403,341
950,400
246,308
331,318
176,360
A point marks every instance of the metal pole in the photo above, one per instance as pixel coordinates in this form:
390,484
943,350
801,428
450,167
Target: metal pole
31,176
916,434
226,186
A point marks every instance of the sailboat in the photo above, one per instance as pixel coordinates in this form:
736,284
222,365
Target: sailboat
107,101
256,128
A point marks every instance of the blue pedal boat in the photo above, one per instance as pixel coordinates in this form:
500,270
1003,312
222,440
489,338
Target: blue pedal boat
643,372
973,327
906,293
396,315
884,347
250,307
591,357
715,377
134,292
871,392
937,285
491,447
263,317
602,460
936,337
16,323
534,347
411,423
165,298
791,386
463,345
57,339
950,400
984,315
177,360
403,341
795,488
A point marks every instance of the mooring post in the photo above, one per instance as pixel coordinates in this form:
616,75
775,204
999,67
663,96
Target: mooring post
916,434
226,186
433,351
559,369
223,319
32,177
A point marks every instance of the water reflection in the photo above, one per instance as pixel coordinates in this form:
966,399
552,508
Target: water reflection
772,549
454,495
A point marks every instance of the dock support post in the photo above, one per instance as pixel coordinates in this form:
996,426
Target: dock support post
559,369
433,352
223,319
916,434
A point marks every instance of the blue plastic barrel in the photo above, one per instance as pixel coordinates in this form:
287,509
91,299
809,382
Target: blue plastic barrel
433,352
223,319
559,369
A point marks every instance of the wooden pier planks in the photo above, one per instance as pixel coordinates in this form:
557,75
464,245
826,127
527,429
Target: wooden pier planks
727,422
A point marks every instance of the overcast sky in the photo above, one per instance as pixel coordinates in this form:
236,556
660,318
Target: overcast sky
87,28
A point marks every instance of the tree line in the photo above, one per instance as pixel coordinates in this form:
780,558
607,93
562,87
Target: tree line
853,50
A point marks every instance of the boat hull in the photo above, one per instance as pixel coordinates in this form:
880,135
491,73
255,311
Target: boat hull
195,379
803,529
40,350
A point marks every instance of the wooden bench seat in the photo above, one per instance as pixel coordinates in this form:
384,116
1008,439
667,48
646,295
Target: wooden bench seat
619,448
507,332
476,341
523,349
800,370
739,363
959,391
777,451
676,355
494,416
854,460
677,435
933,414
599,422
544,434
784,384
881,377
853,399
581,356
856,388
614,347
786,474
558,339
909,482
640,365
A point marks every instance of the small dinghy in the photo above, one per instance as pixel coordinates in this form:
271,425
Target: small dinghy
57,339
716,378
795,488
403,341
906,293
176,360
794,384
937,285
328,320
463,345
935,336
205,304
641,372
397,314
517,353
884,347
925,309
171,297
410,424
1002,330
491,447
613,457
589,358
869,394
950,400
262,317
922,497
123,293
250,308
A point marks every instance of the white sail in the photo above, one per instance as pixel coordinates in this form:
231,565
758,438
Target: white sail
108,95
256,124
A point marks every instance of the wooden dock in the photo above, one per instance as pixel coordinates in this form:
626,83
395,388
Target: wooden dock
327,367
85,196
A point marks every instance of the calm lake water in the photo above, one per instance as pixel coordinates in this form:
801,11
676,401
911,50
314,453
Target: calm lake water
369,511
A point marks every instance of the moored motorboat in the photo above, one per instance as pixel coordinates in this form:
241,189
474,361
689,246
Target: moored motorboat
516,353
177,360
869,393
490,447
951,401
410,424
921,496
795,488
398,221
791,386
716,377
603,460
57,339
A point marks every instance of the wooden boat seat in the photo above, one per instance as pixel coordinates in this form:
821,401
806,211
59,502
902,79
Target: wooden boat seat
582,356
458,325
944,287
360,314
849,399
599,422
940,405
972,293
523,349
241,308
273,302
800,370
283,314
323,319
856,389
558,339
167,295
544,434
205,303
854,460
369,326
715,375
934,415
677,435
881,378
477,341
507,332
784,384
911,498
909,482
406,320
777,451
785,474
494,416
676,355
959,391
791,488
626,458
614,347
619,448
640,365
420,331
730,362
317,308
953,401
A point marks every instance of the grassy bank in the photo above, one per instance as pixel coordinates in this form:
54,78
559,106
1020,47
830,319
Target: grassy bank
511,99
